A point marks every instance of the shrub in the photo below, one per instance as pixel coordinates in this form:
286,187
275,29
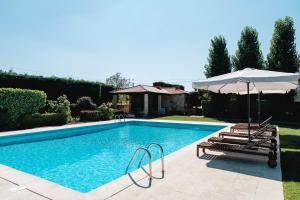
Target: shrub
51,106
19,102
47,119
116,111
90,115
61,105
83,103
106,110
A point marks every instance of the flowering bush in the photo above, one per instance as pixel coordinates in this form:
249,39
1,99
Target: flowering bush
106,110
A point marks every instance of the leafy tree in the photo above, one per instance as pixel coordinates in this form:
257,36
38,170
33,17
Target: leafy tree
248,54
118,81
218,58
283,54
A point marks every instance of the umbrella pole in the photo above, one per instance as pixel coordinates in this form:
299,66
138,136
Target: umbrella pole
248,102
258,105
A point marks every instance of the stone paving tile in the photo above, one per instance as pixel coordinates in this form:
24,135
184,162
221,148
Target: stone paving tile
9,191
24,195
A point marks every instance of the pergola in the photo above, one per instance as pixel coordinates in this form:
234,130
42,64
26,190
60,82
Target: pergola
145,99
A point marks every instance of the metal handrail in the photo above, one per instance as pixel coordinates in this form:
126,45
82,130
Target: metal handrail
134,155
161,155
119,117
122,116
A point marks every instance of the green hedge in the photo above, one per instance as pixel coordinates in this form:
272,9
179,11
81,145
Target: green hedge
15,103
90,115
207,109
55,87
94,115
48,119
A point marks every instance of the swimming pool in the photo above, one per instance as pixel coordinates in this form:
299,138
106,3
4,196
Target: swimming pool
85,158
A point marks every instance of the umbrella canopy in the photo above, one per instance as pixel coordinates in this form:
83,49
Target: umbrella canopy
259,80
249,81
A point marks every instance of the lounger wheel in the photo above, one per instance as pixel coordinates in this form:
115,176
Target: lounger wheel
272,163
272,155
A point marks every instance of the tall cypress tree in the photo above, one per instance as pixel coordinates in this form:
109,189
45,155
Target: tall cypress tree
218,58
283,54
218,63
248,54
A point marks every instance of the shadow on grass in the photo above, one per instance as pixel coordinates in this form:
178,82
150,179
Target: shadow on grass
251,167
290,141
290,165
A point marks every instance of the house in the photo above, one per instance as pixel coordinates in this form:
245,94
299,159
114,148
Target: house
153,100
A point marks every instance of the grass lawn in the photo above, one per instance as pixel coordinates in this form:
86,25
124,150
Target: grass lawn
290,154
186,118
290,161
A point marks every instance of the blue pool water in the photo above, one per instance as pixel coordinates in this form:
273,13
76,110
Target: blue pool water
87,157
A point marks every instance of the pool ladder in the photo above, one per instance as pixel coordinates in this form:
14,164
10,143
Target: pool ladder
148,153
120,117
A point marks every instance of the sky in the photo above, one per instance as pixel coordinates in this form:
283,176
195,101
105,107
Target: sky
145,40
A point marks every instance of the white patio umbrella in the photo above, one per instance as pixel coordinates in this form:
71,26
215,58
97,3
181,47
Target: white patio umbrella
250,81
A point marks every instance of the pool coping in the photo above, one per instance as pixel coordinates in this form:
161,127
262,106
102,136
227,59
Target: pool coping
52,190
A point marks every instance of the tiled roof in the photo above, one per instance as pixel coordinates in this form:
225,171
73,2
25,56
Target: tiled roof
149,89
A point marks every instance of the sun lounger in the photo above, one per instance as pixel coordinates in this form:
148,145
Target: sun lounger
254,126
250,148
245,135
244,128
271,145
259,134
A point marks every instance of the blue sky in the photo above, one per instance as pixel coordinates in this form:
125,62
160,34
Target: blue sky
146,40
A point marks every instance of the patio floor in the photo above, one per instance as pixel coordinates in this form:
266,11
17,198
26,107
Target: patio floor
210,177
